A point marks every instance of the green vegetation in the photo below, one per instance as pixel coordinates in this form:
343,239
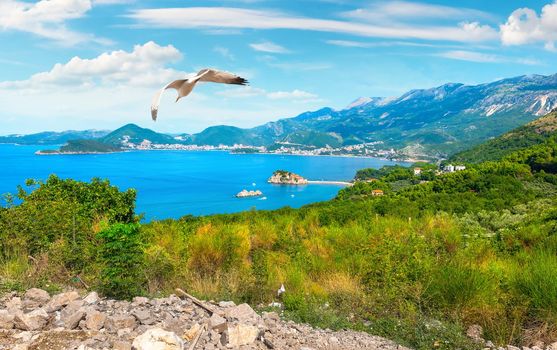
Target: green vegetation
135,134
121,258
525,136
417,265
226,135
91,146
314,138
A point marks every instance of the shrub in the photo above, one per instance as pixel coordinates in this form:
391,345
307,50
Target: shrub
121,255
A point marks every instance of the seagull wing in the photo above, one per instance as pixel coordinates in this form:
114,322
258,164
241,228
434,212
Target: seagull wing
176,84
216,76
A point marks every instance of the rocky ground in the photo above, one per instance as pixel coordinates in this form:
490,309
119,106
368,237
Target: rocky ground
36,320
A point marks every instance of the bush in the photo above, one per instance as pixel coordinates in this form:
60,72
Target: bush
122,258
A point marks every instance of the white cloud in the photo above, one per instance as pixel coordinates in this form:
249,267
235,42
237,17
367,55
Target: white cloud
472,56
46,18
239,18
348,43
144,66
360,44
224,52
269,47
294,94
413,10
244,92
525,26
251,92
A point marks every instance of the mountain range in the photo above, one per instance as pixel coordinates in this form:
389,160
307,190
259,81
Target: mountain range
435,122
53,137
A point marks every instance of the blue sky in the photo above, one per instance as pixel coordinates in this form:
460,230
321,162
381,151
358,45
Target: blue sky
79,64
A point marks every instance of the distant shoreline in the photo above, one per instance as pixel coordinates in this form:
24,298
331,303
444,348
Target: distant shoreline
57,153
405,160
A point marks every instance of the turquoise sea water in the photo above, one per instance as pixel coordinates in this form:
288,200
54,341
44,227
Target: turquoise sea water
171,184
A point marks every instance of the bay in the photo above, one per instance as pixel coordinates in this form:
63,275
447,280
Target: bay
171,184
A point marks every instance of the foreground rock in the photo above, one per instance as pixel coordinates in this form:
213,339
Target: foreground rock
158,339
39,321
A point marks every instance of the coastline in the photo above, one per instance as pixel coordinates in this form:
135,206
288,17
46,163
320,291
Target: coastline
402,160
330,182
406,160
40,153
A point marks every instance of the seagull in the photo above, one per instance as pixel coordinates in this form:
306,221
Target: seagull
185,86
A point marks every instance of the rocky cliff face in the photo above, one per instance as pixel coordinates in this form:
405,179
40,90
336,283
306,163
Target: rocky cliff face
35,320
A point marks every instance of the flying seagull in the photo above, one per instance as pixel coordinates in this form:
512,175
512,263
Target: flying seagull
185,86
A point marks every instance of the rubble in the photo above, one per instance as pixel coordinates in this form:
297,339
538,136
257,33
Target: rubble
36,320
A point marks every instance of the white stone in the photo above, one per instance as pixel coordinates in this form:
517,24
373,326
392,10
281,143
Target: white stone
95,320
32,321
217,323
158,339
35,297
91,298
6,320
242,312
239,335
60,300
227,304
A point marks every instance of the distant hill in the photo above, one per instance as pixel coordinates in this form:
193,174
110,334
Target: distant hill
227,135
131,133
52,137
126,137
84,146
313,138
533,133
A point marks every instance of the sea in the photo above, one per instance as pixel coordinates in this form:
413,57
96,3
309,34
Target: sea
172,184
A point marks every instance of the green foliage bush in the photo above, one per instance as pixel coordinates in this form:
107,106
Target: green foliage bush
57,221
122,259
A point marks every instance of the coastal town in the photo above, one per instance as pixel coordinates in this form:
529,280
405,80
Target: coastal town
361,150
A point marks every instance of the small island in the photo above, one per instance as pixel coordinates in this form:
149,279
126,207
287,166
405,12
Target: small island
246,193
283,177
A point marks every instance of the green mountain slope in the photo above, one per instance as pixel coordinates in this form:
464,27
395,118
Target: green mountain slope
93,146
533,133
313,138
226,135
131,133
